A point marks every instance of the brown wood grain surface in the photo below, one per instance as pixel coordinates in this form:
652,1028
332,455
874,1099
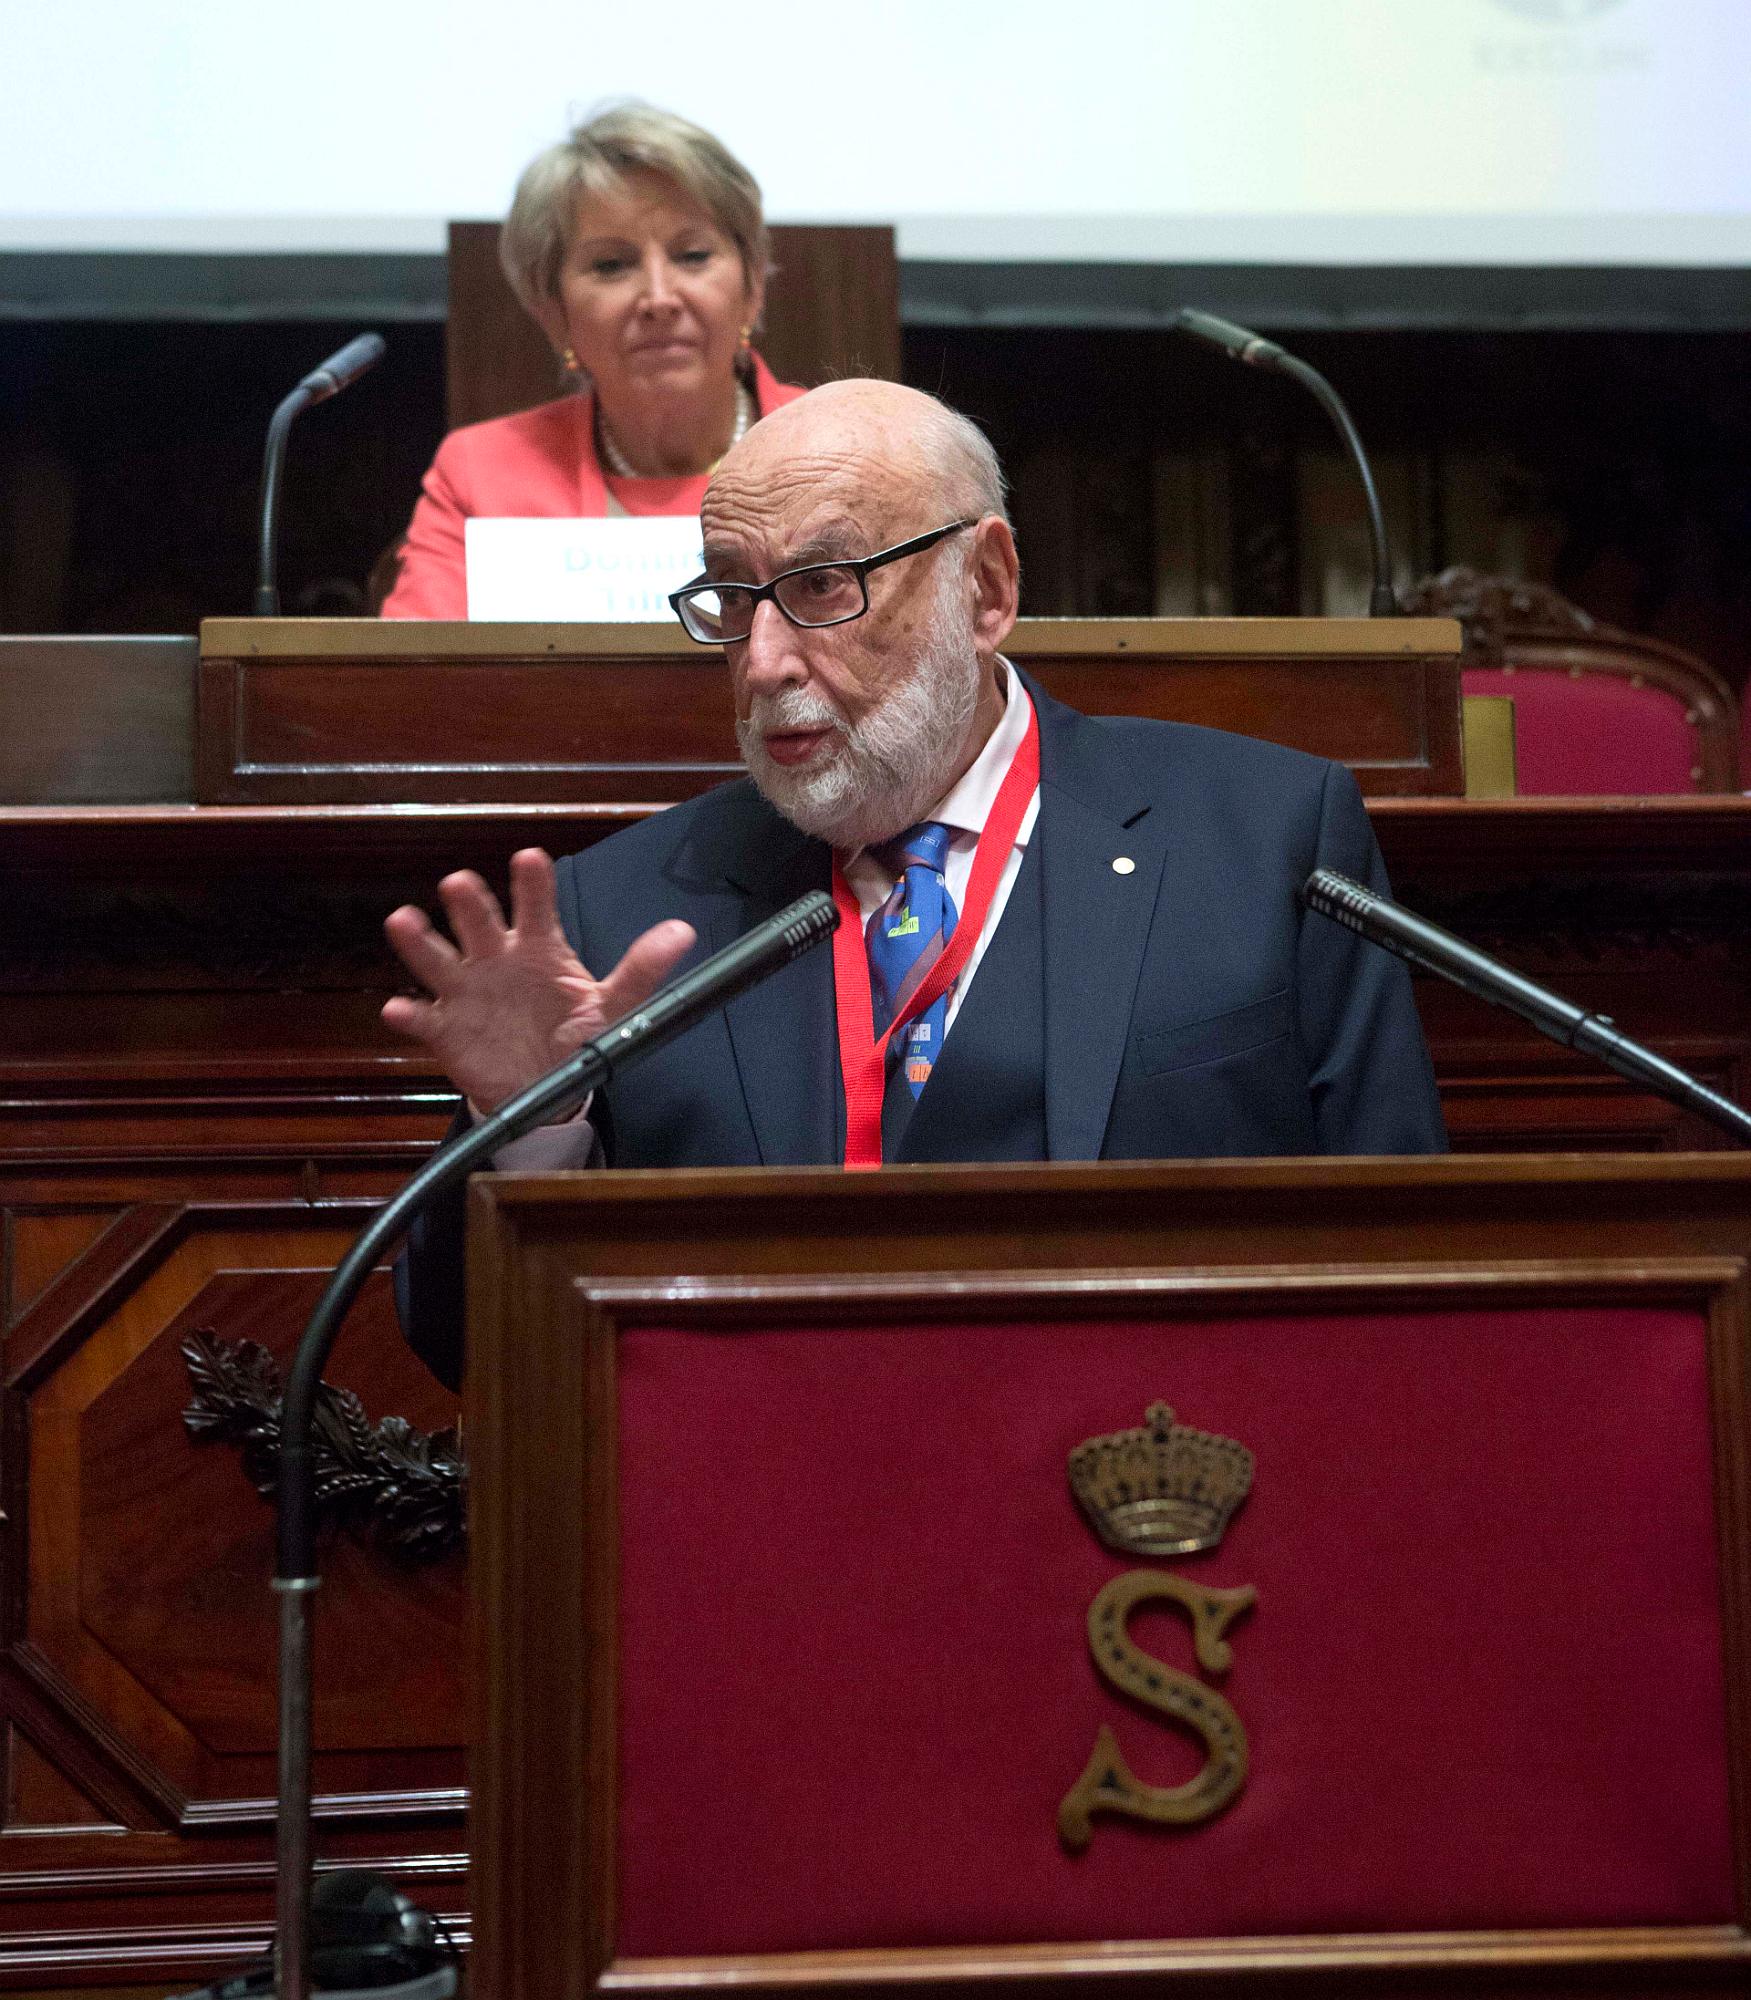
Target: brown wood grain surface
188,1036
306,712
136,1654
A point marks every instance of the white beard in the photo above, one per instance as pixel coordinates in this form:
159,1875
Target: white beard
887,771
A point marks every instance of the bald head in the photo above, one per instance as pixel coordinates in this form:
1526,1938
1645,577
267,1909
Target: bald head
854,722
872,434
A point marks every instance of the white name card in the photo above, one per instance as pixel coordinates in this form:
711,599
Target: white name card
582,572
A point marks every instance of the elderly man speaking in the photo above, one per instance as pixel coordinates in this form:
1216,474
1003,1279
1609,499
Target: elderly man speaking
1130,973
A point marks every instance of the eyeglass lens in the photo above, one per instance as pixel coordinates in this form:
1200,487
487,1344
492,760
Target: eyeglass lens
819,595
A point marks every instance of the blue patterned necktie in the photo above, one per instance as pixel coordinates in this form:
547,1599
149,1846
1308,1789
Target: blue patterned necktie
906,937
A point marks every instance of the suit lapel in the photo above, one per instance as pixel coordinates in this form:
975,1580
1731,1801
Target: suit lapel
1094,813
1095,920
782,1031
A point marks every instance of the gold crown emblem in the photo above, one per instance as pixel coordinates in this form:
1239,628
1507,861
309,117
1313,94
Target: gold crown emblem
1163,1490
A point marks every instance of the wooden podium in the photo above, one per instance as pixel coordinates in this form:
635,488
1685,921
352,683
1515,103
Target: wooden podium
311,711
783,1601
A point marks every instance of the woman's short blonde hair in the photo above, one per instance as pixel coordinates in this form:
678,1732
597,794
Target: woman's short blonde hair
596,159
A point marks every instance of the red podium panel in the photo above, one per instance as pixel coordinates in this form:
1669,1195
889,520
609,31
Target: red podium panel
784,1595
854,1585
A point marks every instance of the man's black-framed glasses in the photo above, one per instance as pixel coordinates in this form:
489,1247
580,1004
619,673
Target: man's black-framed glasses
814,594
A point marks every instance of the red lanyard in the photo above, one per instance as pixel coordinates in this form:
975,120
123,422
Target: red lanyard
862,1058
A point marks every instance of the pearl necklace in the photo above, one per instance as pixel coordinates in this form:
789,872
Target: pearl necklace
621,466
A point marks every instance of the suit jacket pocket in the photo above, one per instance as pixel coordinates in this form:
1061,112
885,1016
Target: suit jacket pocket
1217,1036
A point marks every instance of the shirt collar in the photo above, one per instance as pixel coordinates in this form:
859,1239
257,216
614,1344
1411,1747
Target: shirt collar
968,803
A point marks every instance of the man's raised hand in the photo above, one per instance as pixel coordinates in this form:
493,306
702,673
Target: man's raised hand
509,1001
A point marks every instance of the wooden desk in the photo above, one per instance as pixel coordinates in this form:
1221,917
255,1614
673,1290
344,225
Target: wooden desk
316,711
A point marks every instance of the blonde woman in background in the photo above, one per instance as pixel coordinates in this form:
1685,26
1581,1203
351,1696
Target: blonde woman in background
639,248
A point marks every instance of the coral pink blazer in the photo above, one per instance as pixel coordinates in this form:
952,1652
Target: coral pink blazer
540,462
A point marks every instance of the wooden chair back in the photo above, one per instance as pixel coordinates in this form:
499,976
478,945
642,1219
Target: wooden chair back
1598,711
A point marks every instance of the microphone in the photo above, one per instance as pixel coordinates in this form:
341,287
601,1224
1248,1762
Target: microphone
764,950
1240,344
340,370
1384,923
1235,341
330,379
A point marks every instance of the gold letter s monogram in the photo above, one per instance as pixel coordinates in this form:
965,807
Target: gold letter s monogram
1107,1784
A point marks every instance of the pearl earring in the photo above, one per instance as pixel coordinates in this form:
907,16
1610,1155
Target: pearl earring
568,360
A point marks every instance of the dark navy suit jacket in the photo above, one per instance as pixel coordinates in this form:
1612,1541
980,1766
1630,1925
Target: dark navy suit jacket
1185,1008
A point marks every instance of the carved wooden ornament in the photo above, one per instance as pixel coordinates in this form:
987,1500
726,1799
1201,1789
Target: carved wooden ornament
409,1485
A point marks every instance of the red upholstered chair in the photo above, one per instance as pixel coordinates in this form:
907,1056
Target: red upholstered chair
1596,710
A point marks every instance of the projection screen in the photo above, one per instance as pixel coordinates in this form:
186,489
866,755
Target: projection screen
1306,133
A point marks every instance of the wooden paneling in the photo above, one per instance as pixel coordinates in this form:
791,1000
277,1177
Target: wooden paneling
198,1103
169,1544
157,1990
1636,908
136,1663
192,1123
202,987
39,1245
496,359
305,712
832,303
1386,718
257,936
96,720
616,724
40,1798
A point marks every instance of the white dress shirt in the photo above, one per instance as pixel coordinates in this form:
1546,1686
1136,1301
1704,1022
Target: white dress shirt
965,810
552,1148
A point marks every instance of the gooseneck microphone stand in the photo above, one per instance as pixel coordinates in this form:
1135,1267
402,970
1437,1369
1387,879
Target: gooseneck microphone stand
1383,922
761,952
1256,352
333,376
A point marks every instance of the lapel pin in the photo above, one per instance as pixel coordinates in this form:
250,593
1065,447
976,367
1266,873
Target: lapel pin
1123,864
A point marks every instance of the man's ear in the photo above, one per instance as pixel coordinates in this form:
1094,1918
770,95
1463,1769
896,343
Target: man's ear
996,574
